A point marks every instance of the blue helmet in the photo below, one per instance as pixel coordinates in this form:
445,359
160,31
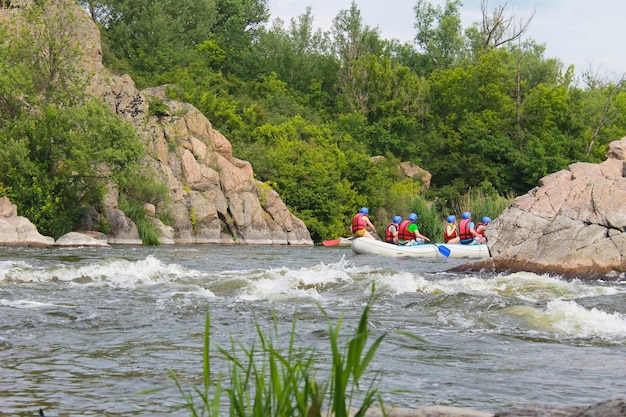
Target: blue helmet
451,219
397,219
413,217
467,215
364,210
486,219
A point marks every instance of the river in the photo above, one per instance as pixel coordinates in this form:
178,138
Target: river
87,331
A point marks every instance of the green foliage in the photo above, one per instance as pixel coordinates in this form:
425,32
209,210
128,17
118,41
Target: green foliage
63,160
272,379
443,43
308,170
429,218
135,211
194,219
152,37
157,107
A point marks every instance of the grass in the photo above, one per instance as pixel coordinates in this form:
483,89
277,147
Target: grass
268,379
135,211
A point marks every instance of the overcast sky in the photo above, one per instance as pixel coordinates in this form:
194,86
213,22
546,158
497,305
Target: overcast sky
586,33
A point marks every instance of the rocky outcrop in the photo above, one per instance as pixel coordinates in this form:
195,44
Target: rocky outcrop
572,224
214,196
416,172
410,170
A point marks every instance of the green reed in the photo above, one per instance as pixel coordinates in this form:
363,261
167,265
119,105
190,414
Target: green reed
268,379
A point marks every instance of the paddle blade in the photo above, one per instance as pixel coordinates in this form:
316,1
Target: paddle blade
443,250
333,242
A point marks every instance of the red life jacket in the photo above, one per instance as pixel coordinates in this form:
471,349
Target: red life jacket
464,230
404,233
481,232
449,236
388,234
358,222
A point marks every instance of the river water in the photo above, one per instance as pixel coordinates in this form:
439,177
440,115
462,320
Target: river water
85,331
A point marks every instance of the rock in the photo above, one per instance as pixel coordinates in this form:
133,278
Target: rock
409,170
17,230
79,239
416,172
572,224
610,408
122,230
539,411
5,344
7,209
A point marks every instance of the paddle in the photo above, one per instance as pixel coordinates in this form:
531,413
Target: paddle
442,250
333,242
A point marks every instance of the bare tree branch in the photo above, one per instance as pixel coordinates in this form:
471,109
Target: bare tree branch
499,29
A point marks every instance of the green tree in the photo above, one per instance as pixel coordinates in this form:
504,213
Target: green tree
599,110
300,57
439,32
149,37
16,88
58,162
236,29
353,46
48,48
308,170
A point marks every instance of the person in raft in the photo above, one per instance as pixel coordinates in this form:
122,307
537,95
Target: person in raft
360,223
480,227
409,233
467,232
451,231
392,229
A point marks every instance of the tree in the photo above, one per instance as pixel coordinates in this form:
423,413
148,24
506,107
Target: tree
236,29
16,88
499,29
153,36
49,45
439,32
354,45
308,170
600,100
298,54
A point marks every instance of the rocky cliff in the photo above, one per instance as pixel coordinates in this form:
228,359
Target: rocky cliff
572,224
215,197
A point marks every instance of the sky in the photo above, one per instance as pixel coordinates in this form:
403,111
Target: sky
587,34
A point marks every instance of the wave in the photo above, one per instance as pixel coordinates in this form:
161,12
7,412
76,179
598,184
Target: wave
531,303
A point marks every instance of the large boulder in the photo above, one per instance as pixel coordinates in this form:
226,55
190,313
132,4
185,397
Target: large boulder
572,224
75,239
18,230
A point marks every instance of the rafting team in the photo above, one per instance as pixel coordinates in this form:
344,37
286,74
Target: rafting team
406,232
